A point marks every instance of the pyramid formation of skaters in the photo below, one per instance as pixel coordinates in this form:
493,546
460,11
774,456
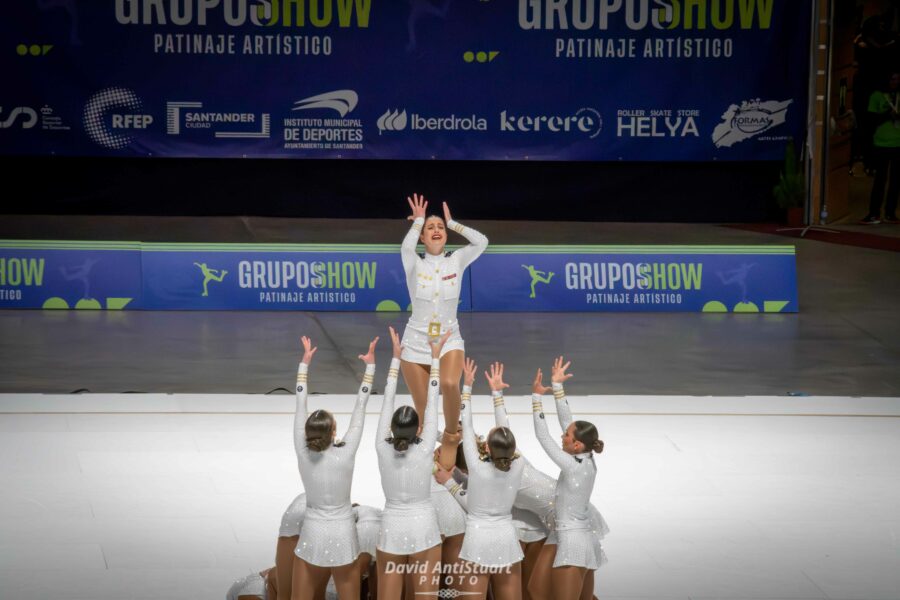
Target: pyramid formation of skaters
464,515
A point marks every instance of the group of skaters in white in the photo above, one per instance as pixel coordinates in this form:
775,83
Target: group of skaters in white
464,515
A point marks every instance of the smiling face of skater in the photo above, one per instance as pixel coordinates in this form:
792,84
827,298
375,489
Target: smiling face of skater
434,235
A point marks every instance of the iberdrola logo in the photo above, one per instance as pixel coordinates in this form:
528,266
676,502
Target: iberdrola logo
210,275
537,277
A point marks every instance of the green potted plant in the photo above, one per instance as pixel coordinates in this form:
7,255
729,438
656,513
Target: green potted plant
791,189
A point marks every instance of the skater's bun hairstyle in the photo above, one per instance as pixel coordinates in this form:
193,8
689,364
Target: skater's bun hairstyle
404,426
320,431
501,445
586,433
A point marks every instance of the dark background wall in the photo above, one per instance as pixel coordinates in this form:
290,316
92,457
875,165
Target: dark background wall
652,192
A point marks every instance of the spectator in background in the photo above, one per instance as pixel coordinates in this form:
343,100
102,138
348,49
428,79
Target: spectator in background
875,49
884,108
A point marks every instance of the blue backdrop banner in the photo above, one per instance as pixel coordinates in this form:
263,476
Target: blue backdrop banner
59,274
414,79
637,279
131,275
274,277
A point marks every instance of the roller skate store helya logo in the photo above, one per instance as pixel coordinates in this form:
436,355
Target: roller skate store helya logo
450,577
629,283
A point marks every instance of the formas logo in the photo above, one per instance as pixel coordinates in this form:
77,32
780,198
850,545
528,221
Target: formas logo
112,114
584,120
748,120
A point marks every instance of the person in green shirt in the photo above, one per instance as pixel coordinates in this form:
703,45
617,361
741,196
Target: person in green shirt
883,107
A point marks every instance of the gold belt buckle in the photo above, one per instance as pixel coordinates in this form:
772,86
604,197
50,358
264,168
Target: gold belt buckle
434,329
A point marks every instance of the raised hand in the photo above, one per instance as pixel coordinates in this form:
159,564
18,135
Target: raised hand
418,205
538,386
443,476
308,350
558,374
438,345
495,377
395,341
447,217
469,371
369,357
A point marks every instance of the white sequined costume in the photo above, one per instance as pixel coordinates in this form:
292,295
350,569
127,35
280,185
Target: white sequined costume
409,523
368,524
451,516
251,585
538,492
434,283
577,543
292,519
328,536
490,538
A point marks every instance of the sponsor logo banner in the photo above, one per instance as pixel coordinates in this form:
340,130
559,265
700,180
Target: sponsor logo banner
233,277
610,80
130,275
76,275
637,279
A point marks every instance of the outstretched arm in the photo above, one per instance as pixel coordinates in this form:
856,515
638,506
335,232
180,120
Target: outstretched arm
478,242
430,424
456,482
556,454
495,381
354,431
390,391
470,450
558,376
408,247
302,391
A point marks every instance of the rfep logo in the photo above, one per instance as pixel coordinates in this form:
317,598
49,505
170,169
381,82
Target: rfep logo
112,114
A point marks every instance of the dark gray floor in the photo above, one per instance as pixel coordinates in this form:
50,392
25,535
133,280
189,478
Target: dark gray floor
845,341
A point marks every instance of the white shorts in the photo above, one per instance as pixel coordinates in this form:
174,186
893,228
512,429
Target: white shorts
416,348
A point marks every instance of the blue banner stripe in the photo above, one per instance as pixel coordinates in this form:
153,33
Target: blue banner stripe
127,275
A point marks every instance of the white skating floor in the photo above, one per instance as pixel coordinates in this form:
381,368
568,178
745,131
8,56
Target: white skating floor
174,496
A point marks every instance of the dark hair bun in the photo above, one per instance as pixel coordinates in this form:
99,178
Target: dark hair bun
503,463
598,446
318,444
400,444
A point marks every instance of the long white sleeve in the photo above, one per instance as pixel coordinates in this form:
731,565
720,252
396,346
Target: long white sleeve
470,449
358,419
408,247
387,406
562,459
563,412
478,243
456,485
500,416
301,411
